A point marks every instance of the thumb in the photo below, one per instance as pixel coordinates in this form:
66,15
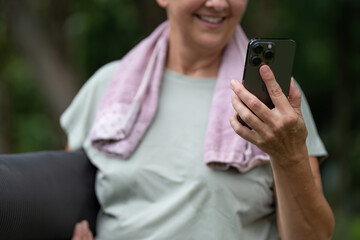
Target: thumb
294,97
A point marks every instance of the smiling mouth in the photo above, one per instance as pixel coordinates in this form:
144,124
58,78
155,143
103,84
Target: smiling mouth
213,20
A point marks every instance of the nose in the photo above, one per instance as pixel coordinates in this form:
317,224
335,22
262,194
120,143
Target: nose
217,4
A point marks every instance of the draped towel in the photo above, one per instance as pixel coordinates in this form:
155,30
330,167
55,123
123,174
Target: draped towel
130,102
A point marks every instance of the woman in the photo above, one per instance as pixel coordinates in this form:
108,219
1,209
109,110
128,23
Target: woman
143,123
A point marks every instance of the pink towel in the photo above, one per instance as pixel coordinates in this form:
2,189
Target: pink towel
130,102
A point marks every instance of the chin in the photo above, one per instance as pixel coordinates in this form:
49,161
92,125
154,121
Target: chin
211,43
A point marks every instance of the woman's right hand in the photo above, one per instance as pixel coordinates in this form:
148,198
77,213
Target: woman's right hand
82,231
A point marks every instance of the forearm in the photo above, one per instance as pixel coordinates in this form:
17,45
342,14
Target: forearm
281,132
302,208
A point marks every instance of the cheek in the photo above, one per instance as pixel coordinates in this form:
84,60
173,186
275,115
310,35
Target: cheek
190,6
186,6
238,8
181,10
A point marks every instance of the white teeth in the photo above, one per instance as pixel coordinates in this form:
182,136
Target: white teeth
211,19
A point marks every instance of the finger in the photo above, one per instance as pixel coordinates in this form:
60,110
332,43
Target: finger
251,101
245,114
276,94
77,231
294,96
241,130
87,234
82,231
90,235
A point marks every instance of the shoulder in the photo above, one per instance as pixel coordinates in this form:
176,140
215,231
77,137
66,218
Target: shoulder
95,87
107,69
79,116
104,74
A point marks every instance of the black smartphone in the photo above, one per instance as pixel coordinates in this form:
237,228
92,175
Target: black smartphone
279,55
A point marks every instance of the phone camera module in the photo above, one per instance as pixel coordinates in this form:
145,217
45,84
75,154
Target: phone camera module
258,48
255,60
268,54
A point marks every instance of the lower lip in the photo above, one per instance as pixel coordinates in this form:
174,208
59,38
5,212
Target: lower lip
210,25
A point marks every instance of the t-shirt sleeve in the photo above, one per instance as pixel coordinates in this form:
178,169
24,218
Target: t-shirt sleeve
78,118
314,143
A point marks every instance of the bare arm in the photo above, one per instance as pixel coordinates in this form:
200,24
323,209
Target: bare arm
303,210
314,165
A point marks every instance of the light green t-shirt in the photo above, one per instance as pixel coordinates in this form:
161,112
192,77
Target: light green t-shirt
164,190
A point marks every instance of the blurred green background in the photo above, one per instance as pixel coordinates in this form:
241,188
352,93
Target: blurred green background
49,48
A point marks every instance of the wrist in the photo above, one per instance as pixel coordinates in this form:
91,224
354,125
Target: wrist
291,159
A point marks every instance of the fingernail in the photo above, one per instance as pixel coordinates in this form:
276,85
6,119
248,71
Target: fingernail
234,83
264,69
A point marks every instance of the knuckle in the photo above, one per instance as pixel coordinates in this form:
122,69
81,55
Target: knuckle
285,123
236,129
237,106
253,104
237,91
268,77
261,142
267,138
235,125
278,127
235,101
276,91
246,116
290,120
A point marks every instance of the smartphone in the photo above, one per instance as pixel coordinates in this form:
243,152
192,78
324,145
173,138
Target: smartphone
279,55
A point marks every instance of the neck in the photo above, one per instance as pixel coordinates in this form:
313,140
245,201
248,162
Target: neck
193,62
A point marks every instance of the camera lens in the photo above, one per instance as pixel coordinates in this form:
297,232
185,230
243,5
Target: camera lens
255,60
268,54
258,48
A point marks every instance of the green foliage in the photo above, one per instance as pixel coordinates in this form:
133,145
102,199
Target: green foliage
99,31
355,228
102,32
30,127
95,33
